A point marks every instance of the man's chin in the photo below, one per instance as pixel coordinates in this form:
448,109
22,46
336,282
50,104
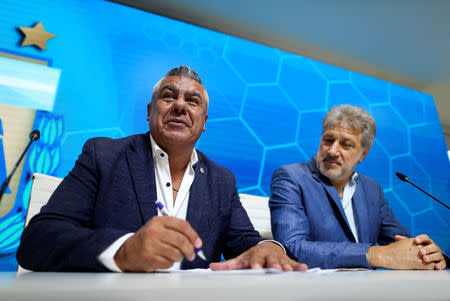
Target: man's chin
332,174
178,138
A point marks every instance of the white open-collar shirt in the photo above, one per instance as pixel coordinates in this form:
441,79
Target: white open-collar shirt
347,204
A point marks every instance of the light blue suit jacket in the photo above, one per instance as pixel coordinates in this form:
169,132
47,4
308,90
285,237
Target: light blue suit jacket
307,217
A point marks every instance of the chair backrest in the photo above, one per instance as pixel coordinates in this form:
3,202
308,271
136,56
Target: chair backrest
257,208
41,190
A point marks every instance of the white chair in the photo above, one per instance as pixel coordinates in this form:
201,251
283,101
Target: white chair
257,208
41,190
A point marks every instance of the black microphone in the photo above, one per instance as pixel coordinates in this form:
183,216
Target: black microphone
405,179
34,135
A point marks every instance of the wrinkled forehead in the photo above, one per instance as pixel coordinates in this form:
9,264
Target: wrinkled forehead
181,84
344,132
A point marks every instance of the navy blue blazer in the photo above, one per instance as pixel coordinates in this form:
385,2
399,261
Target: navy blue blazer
111,191
307,217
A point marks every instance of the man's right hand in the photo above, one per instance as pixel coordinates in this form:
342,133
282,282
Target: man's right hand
162,241
401,255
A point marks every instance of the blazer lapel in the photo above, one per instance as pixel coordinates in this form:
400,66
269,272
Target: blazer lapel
196,196
197,207
333,195
140,160
360,208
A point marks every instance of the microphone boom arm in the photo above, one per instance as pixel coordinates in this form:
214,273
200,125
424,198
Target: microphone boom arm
33,137
405,179
428,194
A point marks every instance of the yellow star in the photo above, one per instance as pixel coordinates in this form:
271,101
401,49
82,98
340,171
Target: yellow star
36,36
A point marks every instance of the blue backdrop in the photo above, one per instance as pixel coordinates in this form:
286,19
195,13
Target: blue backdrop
266,105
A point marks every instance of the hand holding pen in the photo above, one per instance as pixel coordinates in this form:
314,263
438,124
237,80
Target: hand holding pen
160,207
158,244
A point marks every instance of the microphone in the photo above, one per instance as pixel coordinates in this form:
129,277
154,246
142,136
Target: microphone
405,179
34,135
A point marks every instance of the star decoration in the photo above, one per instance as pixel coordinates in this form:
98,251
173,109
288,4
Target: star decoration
36,36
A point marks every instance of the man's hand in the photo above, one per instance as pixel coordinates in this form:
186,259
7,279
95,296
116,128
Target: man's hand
404,254
266,254
162,241
430,252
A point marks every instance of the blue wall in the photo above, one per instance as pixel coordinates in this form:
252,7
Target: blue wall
266,104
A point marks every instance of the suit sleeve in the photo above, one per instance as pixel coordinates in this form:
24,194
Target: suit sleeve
389,224
291,227
62,236
240,234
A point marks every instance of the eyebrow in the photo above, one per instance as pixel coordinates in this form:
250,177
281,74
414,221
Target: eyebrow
192,93
175,90
169,87
333,137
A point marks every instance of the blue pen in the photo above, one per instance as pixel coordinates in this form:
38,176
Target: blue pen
160,207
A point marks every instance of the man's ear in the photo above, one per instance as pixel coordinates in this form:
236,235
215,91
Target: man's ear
149,110
364,154
204,125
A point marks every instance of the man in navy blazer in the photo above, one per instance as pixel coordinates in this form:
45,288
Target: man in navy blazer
329,216
102,217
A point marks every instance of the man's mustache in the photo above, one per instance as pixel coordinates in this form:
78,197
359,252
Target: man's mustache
333,159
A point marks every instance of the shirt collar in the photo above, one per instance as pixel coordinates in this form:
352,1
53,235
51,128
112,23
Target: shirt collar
353,178
156,150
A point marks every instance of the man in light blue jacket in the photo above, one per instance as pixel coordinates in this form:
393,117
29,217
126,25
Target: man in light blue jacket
329,216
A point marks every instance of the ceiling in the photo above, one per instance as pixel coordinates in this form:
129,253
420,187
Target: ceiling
404,41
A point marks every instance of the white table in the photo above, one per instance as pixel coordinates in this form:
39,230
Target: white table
361,285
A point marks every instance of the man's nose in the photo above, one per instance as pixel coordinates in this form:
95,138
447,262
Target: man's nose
334,149
180,104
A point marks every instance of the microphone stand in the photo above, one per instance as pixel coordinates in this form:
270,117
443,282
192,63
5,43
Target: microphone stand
34,135
405,179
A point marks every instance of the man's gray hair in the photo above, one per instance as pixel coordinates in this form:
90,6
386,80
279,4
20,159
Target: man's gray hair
180,71
349,116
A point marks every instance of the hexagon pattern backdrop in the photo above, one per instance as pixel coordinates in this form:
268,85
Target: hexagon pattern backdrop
266,105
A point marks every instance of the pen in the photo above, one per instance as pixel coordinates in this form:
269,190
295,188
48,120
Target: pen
160,207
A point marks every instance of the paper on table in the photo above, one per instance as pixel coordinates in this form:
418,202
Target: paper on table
244,271
260,271
324,271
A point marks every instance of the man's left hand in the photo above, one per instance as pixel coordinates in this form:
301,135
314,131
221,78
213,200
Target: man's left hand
264,255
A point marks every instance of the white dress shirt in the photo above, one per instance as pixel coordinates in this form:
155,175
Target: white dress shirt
164,194
347,203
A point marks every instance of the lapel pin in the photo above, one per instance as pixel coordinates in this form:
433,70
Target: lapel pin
202,170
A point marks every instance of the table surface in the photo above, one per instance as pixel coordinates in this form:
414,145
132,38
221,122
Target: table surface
356,285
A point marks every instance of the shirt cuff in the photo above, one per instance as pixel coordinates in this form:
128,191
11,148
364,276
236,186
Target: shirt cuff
107,256
275,242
